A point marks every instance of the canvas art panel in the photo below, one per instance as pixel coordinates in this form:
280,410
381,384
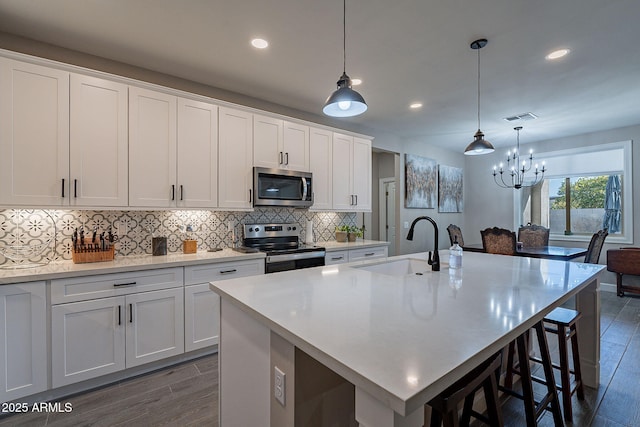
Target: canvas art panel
450,189
421,178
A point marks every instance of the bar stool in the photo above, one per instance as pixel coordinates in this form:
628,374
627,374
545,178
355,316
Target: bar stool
444,407
533,410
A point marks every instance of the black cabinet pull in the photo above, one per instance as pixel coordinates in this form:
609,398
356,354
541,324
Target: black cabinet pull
119,315
286,158
337,258
62,187
124,284
181,192
228,271
75,188
250,196
173,191
130,313
281,157
356,199
370,254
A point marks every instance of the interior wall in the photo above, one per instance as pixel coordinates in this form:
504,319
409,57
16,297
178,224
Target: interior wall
494,206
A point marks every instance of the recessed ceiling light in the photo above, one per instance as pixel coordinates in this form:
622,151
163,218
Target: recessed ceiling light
259,43
356,82
556,54
415,105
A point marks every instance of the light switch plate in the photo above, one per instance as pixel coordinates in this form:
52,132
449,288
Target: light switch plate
279,385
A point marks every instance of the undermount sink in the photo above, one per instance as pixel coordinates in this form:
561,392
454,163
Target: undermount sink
400,267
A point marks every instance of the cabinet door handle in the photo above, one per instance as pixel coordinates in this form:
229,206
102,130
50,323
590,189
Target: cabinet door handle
130,313
250,196
181,192
286,158
356,199
75,188
119,315
337,258
124,284
370,254
173,191
351,200
281,157
233,270
62,187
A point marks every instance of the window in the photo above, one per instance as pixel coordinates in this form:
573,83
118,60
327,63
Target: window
588,189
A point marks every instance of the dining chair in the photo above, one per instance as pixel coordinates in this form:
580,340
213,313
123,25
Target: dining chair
595,246
498,241
455,234
533,236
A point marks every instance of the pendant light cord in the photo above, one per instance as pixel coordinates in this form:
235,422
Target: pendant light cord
478,88
344,36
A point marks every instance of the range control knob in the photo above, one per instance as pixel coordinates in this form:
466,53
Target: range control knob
257,229
288,228
294,227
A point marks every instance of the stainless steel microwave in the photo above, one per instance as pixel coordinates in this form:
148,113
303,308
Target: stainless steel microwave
282,187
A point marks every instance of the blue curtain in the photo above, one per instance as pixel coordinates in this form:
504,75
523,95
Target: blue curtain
612,204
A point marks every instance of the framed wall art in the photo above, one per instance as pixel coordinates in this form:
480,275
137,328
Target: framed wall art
450,189
421,178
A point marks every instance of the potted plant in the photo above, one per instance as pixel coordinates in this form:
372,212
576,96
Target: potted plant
354,232
341,233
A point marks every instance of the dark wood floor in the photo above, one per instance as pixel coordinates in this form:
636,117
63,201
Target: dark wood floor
187,394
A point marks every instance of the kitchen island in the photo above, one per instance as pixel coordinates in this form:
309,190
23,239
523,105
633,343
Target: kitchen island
393,340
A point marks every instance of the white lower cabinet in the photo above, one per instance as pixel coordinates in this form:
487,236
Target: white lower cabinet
23,340
360,254
113,322
202,305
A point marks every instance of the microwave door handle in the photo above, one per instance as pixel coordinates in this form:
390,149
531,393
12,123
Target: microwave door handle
304,188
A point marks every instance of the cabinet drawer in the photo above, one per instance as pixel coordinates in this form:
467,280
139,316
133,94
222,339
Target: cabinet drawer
367,253
336,257
222,271
109,285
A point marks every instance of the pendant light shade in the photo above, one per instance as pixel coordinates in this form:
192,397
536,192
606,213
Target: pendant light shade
344,102
479,144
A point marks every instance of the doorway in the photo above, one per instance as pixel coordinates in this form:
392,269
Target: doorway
387,209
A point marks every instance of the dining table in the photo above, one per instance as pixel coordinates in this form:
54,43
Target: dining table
559,253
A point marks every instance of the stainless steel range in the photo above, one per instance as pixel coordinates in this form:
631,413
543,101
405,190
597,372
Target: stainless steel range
281,243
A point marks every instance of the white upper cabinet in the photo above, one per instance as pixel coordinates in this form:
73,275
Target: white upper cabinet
235,161
197,154
320,148
152,148
351,173
34,135
295,146
98,142
280,144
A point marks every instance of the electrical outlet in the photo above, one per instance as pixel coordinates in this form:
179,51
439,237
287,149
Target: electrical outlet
231,224
279,385
406,224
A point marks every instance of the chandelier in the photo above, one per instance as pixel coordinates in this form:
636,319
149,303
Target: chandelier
516,169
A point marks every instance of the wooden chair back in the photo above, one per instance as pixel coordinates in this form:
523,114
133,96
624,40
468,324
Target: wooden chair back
498,241
533,236
455,234
595,246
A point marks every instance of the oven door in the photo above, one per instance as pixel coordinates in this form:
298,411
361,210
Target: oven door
276,187
276,263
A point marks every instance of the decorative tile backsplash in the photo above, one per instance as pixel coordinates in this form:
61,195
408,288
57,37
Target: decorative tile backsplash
22,230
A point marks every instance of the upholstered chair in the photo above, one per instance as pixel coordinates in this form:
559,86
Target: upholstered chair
533,236
499,241
595,246
455,234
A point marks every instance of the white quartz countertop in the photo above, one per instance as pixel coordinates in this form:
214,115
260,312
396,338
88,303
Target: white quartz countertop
62,269
403,338
333,245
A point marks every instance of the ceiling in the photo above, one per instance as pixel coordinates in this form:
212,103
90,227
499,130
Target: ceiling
403,50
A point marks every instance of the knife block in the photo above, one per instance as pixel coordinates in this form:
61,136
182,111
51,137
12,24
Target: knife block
189,246
99,256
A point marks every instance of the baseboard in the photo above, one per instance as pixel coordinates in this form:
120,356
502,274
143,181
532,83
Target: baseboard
608,287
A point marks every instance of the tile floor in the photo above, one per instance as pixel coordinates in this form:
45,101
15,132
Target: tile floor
187,394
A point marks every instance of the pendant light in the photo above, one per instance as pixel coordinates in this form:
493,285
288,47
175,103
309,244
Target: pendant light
479,144
344,102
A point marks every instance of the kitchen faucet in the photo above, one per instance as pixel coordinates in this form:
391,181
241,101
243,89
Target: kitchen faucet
435,262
